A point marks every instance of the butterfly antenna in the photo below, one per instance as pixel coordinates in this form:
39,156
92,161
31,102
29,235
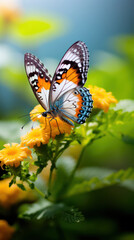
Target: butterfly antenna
24,125
22,116
36,116
29,121
32,125
29,114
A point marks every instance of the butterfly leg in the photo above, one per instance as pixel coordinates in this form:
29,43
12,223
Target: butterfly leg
46,122
56,123
50,128
49,124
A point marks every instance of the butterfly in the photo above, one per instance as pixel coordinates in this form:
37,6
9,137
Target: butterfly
63,95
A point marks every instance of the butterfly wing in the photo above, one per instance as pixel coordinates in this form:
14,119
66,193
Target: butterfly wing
75,105
71,71
39,79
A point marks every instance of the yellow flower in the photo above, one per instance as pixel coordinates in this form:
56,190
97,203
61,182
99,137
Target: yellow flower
55,127
101,98
10,195
6,231
13,154
35,138
51,127
35,114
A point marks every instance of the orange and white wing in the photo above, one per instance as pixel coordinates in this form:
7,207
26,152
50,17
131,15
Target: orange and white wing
71,71
39,79
75,105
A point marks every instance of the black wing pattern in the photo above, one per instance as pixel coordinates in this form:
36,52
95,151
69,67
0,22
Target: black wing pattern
39,79
71,71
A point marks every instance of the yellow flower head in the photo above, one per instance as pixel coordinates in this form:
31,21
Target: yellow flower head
6,231
101,98
35,137
50,127
13,154
10,195
55,127
35,114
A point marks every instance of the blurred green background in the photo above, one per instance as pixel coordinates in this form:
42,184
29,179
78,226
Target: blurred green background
47,29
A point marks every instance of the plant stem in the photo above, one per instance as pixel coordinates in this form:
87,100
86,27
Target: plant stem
50,179
67,185
77,164
39,192
52,168
81,154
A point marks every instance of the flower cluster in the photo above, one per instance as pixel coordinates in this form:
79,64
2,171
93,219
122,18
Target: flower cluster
13,155
49,128
101,98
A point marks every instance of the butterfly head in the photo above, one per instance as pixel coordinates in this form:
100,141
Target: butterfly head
44,114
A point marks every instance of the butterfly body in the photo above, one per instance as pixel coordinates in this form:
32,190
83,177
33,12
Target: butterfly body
64,95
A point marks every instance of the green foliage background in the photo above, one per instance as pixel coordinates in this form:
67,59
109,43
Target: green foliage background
99,203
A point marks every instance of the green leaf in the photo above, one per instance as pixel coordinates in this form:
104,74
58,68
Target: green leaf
119,121
11,183
31,185
33,177
72,215
98,183
21,186
44,153
90,172
5,175
47,210
129,184
32,210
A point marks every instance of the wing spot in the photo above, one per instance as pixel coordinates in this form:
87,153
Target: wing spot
58,77
41,75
